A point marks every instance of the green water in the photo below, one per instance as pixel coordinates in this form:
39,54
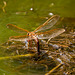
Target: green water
19,13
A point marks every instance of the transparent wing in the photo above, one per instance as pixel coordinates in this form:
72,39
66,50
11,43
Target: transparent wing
22,38
19,38
17,29
48,24
50,34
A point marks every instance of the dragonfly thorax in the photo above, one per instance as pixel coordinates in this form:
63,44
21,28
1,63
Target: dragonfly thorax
32,35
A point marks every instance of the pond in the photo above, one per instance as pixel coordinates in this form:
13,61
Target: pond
29,14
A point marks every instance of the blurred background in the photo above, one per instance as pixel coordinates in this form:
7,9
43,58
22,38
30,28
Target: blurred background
29,14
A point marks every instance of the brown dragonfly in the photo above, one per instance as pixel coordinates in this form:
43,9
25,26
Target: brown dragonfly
42,32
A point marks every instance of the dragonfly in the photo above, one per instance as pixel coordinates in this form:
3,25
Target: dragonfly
42,32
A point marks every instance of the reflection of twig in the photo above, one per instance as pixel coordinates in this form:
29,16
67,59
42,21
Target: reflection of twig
3,8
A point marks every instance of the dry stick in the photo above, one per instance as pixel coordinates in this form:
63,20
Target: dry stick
54,69
3,8
17,56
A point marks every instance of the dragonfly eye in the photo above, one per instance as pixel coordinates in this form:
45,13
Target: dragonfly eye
27,33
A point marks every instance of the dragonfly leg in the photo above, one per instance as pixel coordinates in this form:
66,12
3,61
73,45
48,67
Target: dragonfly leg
48,41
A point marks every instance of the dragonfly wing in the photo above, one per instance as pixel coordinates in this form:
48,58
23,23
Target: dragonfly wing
17,29
48,24
50,34
21,39
18,37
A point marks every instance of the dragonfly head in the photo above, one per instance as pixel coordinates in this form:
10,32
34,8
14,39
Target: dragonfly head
31,34
28,34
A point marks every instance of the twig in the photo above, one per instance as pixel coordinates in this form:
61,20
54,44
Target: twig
17,56
54,69
3,8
